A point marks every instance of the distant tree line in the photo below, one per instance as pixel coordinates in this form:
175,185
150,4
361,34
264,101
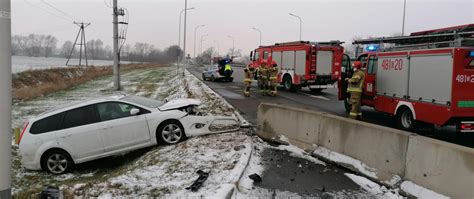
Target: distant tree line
35,45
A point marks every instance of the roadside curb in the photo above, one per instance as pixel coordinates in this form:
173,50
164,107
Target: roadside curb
228,190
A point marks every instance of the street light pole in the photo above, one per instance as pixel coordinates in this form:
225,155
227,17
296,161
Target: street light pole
179,35
200,46
195,30
301,23
185,20
404,12
5,99
233,46
218,50
258,30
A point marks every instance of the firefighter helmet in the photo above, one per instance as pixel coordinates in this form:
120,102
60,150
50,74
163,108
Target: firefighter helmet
357,65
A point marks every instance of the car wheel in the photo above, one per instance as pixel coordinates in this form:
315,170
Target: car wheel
170,132
213,79
231,79
57,162
203,77
406,120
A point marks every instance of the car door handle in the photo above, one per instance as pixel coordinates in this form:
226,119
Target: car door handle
107,127
65,136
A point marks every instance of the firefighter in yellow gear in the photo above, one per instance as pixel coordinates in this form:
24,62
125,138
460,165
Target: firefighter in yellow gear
272,76
263,78
249,74
356,83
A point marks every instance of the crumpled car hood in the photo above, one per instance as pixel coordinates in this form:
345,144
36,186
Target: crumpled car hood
178,103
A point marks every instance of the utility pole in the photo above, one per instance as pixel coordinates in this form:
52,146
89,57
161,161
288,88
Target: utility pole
83,42
185,19
116,67
5,100
404,12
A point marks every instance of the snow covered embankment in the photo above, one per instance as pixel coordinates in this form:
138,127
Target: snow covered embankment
163,171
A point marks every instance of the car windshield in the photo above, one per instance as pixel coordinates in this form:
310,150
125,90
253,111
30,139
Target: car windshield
150,103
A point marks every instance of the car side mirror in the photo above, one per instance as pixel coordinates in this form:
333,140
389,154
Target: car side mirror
134,111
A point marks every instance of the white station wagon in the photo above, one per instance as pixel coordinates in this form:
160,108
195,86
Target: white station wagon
58,139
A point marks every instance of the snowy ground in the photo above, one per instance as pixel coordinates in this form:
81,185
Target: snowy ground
158,171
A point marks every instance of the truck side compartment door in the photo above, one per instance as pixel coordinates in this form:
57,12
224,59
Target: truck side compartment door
369,85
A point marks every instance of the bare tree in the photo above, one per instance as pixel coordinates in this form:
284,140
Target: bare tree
66,49
50,43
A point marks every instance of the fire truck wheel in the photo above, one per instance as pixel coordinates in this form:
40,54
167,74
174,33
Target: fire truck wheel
288,84
405,119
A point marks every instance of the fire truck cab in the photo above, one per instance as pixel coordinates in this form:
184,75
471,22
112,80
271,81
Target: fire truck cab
424,79
316,65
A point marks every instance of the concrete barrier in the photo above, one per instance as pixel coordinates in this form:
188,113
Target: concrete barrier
440,166
378,147
300,126
443,167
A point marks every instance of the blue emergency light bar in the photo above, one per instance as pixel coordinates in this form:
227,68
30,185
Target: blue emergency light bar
471,54
372,47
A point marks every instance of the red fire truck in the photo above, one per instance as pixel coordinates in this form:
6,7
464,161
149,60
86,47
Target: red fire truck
313,64
424,79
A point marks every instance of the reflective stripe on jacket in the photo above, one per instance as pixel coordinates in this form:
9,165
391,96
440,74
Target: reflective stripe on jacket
356,83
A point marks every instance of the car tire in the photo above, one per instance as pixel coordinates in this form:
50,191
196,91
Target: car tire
203,77
231,79
57,162
405,119
170,132
213,79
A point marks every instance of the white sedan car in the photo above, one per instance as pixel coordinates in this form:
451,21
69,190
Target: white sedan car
58,139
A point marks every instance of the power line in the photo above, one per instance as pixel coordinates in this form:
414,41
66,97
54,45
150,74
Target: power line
54,14
59,10
108,4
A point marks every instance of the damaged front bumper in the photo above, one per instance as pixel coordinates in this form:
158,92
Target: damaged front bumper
202,125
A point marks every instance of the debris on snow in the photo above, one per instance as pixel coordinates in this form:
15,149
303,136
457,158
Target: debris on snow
345,160
256,178
373,188
300,153
199,181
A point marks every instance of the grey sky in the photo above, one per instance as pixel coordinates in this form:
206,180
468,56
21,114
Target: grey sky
156,21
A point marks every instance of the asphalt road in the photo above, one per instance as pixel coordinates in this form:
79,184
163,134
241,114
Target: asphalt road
325,101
